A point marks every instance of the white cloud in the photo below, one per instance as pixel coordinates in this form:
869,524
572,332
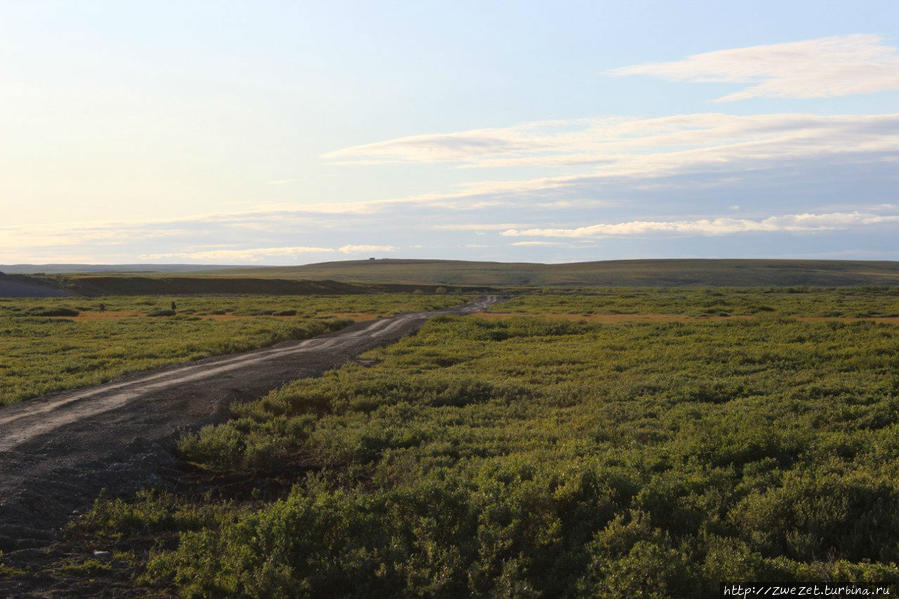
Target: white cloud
15,256
366,249
819,68
834,221
238,255
538,243
218,254
477,227
635,147
104,234
838,168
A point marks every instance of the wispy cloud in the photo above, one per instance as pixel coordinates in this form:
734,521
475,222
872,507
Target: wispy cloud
625,177
225,254
834,221
819,68
538,243
477,227
366,249
237,255
639,147
102,234
208,242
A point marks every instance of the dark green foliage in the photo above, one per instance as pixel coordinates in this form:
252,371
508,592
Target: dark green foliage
815,302
149,513
818,515
56,311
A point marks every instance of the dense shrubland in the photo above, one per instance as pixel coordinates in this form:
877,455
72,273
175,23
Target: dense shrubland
847,302
526,457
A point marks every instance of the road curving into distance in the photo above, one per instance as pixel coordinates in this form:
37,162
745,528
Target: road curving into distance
25,421
59,451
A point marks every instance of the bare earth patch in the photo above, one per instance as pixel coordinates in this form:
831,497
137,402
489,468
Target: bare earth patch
111,315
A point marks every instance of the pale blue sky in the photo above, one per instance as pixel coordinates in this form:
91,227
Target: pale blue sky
288,133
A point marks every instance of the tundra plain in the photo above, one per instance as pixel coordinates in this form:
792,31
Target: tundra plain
573,442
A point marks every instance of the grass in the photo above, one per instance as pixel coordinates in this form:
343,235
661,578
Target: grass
52,344
532,457
88,568
8,571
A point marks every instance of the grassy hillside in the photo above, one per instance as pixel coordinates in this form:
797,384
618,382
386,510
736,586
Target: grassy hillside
625,273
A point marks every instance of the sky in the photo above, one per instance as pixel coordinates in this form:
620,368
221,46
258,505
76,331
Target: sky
298,132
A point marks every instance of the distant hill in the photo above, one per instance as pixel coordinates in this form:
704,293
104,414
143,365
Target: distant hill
22,286
213,285
372,276
612,273
97,285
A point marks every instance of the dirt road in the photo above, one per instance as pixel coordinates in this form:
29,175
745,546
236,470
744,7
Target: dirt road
58,452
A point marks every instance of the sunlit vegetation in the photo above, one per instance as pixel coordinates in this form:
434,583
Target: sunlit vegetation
805,302
50,344
534,457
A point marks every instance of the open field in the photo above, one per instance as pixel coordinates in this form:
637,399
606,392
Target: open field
51,344
616,273
526,456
